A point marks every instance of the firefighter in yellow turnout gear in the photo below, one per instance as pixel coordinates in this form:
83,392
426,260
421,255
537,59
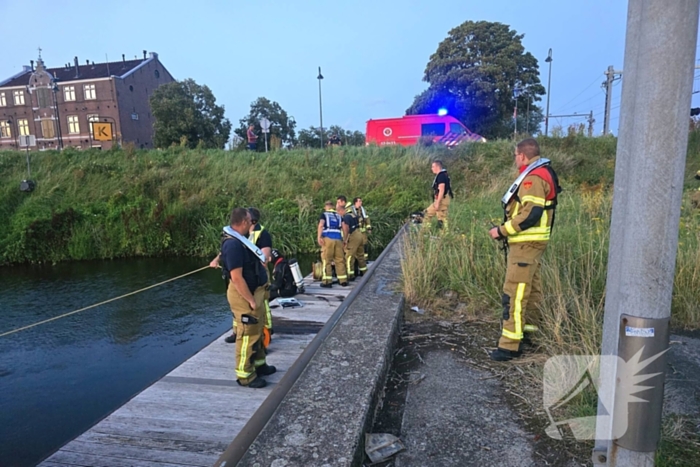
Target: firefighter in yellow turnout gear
263,240
529,211
365,228
352,242
330,239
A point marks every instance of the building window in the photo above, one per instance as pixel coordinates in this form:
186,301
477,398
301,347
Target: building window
89,90
5,131
157,73
43,97
19,97
92,118
68,93
23,126
47,129
73,125
3,101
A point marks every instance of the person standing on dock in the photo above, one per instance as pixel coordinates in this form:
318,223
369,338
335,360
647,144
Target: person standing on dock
263,240
330,239
365,229
352,242
243,265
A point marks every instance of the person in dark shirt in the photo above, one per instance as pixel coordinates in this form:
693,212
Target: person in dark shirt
441,190
263,240
353,242
283,284
246,297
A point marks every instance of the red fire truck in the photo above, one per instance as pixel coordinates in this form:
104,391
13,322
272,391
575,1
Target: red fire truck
409,129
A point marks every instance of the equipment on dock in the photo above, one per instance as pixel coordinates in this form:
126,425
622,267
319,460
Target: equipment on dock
296,272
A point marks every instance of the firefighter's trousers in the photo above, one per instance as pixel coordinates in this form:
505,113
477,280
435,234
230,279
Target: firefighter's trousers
332,251
355,250
522,292
250,353
440,212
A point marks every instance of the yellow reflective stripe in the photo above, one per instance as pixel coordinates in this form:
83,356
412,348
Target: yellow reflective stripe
340,278
532,199
258,363
268,315
528,238
530,328
325,276
517,315
350,258
509,228
240,371
363,269
544,220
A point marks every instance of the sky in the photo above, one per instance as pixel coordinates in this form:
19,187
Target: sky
372,53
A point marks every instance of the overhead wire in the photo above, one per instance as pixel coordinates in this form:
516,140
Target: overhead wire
577,95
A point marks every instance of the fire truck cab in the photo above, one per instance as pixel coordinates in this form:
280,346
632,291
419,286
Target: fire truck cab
409,129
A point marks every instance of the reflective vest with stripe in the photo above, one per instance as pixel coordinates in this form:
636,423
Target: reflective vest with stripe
361,215
541,231
253,237
332,226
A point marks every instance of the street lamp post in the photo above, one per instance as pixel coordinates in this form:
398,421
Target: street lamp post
320,105
549,81
516,94
16,130
55,89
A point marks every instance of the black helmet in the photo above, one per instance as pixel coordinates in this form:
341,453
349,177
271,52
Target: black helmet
254,214
276,254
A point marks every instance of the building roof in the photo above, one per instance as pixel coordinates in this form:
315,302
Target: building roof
86,72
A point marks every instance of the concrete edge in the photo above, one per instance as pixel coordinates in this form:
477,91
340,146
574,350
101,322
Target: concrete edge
324,416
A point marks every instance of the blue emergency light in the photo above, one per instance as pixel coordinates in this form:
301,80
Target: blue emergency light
442,112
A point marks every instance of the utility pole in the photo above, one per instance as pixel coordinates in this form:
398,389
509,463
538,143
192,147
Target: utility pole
591,121
607,84
549,81
649,174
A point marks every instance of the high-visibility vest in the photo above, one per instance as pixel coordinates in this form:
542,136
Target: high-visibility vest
333,225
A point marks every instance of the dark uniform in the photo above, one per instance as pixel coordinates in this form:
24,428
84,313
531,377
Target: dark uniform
529,217
354,245
250,353
441,211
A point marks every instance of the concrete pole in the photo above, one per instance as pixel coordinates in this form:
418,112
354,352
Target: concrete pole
651,152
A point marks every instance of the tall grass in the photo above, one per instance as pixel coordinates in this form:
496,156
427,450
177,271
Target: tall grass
463,265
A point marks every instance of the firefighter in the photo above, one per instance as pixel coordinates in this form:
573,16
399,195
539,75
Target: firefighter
330,239
529,214
263,240
695,196
365,229
441,190
352,242
242,265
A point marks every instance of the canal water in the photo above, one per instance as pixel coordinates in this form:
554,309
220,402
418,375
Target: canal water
60,378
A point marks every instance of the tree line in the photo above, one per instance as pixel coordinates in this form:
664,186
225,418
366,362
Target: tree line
478,74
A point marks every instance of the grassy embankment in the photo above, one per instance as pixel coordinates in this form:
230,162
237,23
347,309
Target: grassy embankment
126,203
459,273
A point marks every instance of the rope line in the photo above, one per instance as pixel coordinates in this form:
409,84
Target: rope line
101,303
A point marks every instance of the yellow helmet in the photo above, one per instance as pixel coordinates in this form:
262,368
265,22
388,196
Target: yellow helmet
697,175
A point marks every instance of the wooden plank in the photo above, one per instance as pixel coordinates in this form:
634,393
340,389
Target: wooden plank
191,415
136,454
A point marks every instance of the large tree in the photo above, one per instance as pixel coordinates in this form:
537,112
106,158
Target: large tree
474,73
281,125
311,137
186,113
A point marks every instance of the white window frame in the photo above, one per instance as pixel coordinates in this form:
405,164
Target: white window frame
73,124
90,119
89,92
69,93
5,129
18,97
23,125
3,100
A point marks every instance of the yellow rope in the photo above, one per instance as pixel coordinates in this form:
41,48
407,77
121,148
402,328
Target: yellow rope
98,304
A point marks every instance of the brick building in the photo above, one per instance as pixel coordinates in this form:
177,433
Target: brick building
65,106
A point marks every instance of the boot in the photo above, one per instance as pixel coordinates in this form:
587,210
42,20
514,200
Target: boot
230,339
503,355
265,370
257,383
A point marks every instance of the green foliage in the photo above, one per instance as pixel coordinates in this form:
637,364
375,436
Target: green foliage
473,74
186,114
282,126
311,137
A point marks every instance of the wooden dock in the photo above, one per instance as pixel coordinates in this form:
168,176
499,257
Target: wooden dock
189,417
